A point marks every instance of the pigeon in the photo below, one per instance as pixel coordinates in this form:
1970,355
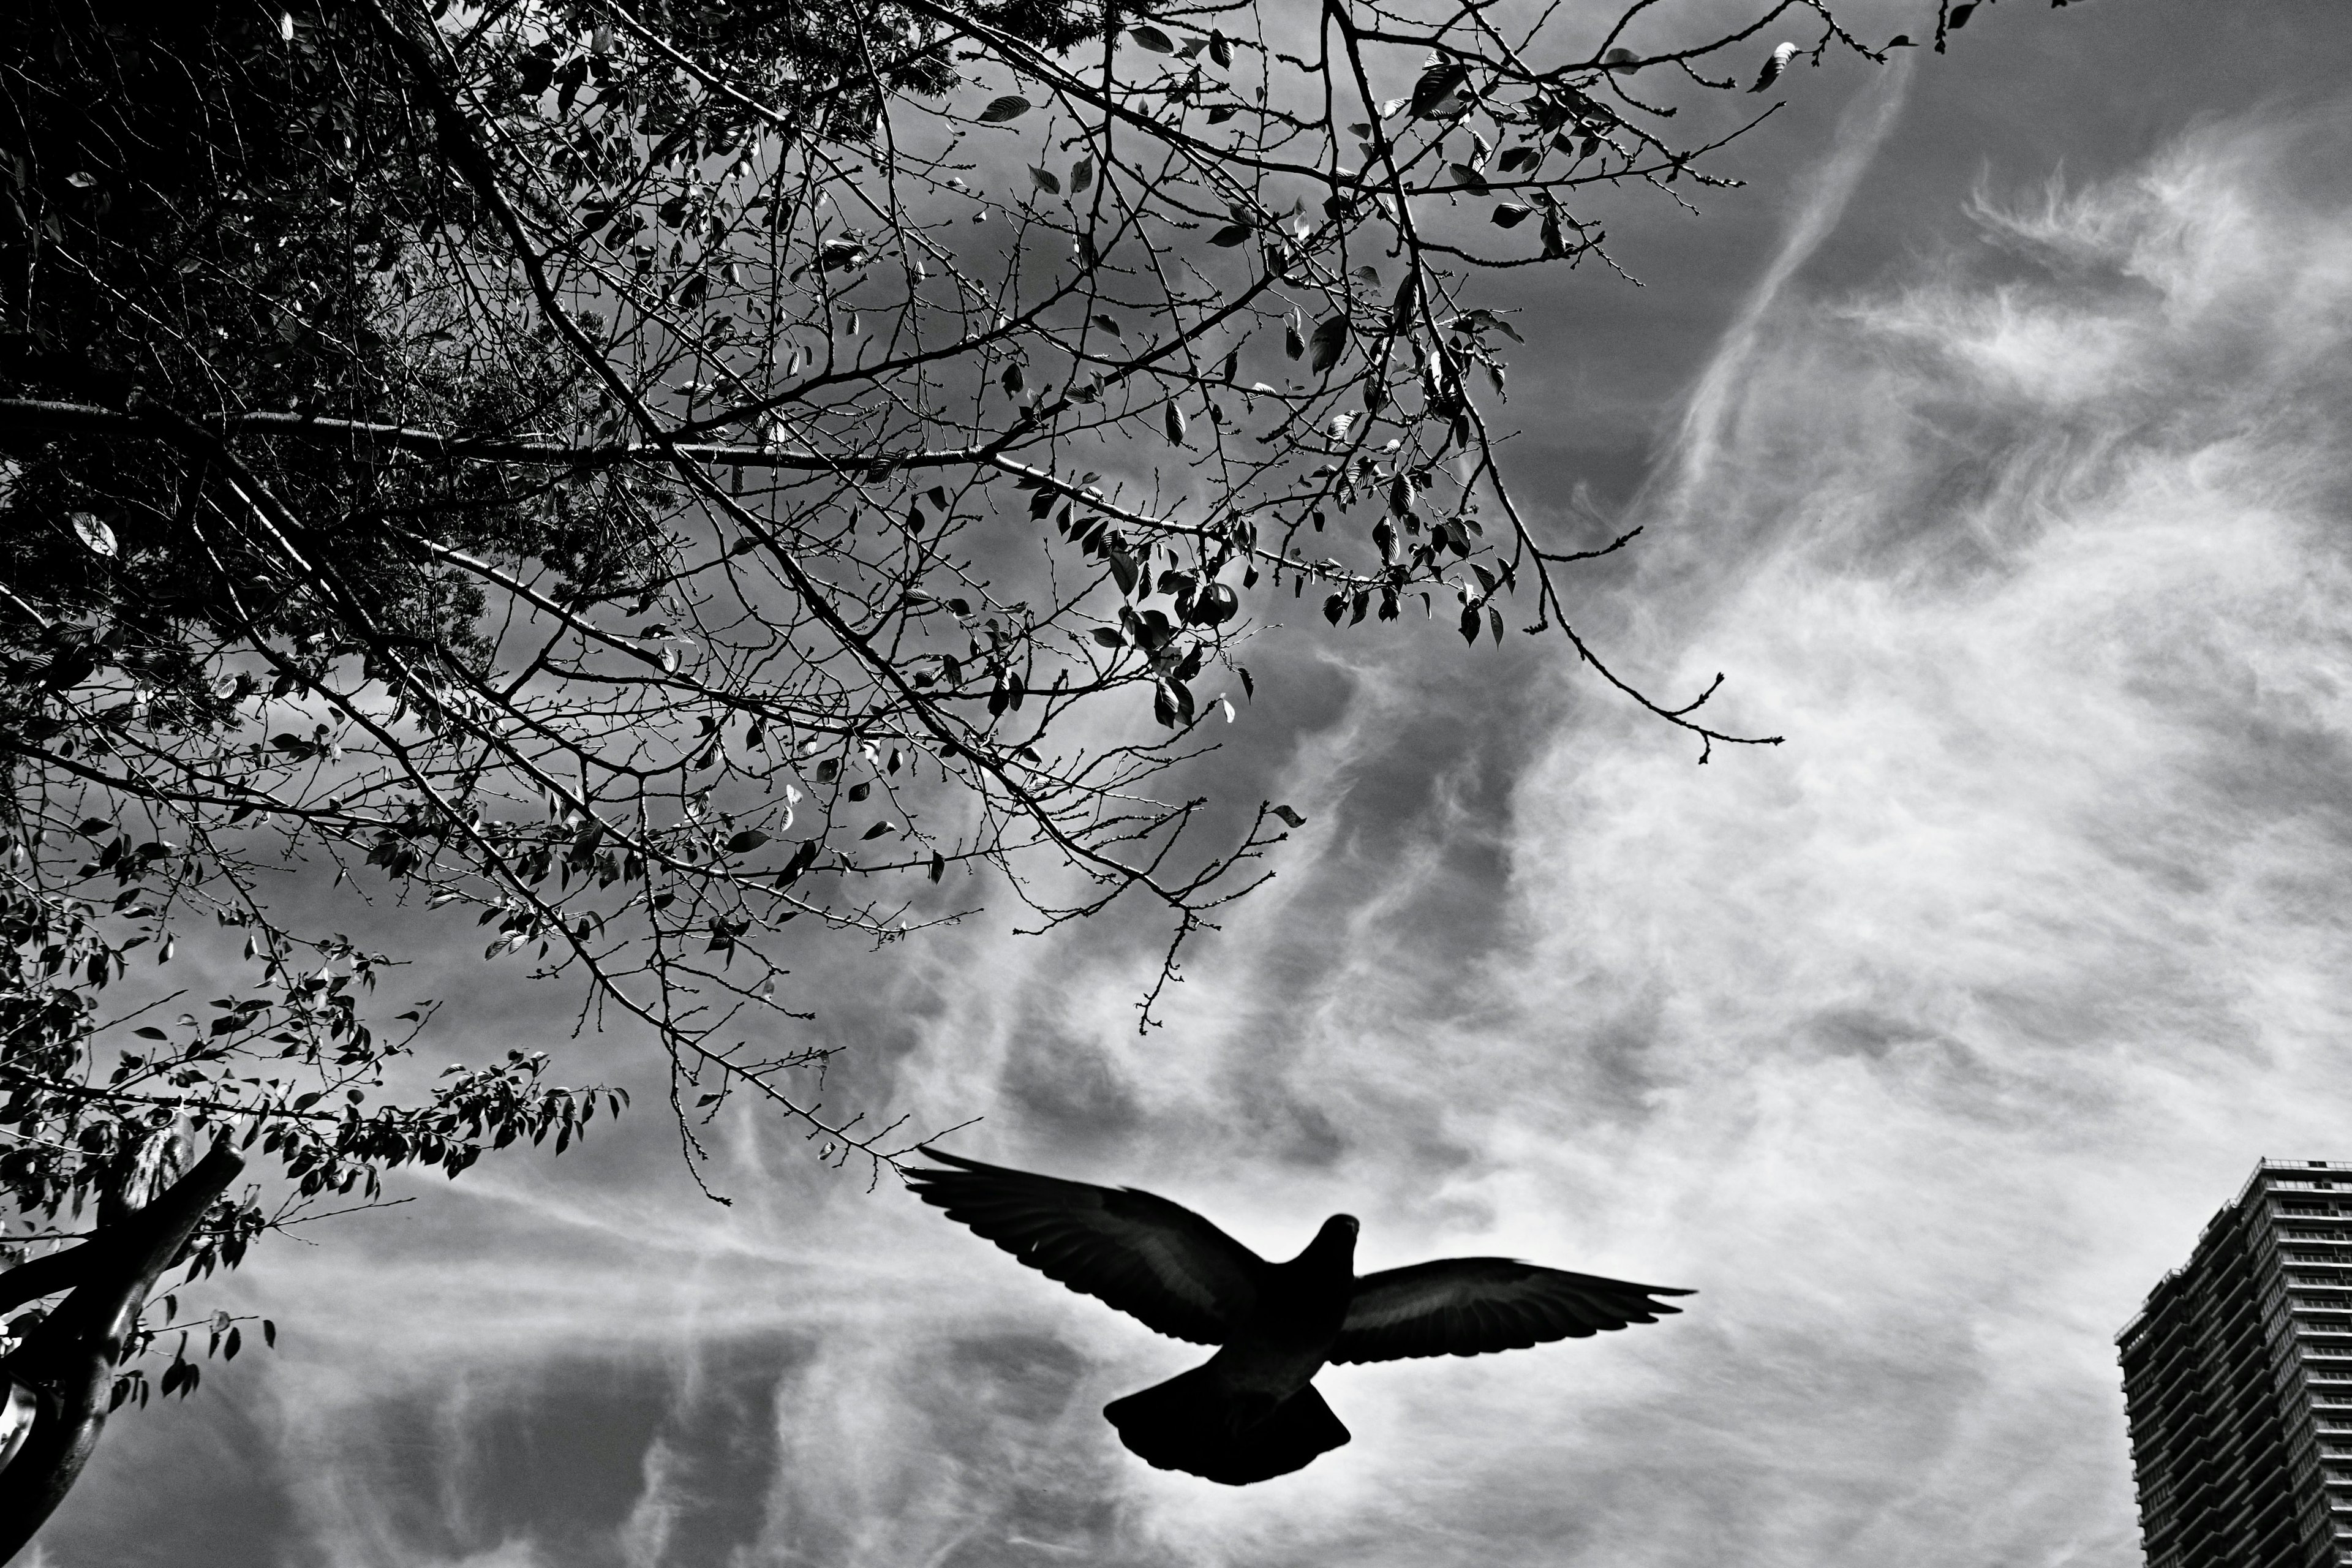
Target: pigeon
1774,66
1251,1411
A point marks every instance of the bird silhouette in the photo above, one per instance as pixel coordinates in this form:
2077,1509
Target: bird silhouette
1251,1411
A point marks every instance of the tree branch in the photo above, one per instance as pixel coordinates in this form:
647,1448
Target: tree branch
69,1361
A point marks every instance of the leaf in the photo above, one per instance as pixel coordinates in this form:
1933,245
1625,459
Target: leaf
1470,622
1043,178
1510,215
1221,50
1012,106
1082,174
1287,815
91,531
1175,423
1152,38
861,789
802,858
879,829
743,843
939,866
1961,15
1330,341
1292,343
1437,84
1232,234
1517,158
1108,638
1109,324
1774,63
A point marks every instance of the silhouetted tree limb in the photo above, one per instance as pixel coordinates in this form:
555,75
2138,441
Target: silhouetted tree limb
69,1361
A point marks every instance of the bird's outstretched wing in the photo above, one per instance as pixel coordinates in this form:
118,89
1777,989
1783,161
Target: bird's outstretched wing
1158,1260
1467,1306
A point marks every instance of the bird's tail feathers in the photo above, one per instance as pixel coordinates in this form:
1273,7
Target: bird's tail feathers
1195,1423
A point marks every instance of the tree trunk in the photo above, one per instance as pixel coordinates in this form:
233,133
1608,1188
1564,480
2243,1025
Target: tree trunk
69,1362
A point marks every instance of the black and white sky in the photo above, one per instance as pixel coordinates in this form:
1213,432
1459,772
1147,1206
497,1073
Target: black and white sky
1993,441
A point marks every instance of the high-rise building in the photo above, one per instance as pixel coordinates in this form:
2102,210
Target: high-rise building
2238,1382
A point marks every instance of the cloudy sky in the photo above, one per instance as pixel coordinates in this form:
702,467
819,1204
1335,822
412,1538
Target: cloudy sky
1994,442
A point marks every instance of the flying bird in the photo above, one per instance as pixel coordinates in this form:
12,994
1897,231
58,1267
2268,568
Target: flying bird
1250,1411
1774,66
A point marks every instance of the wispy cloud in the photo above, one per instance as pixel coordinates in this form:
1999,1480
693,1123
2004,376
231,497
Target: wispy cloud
1821,203
1947,1026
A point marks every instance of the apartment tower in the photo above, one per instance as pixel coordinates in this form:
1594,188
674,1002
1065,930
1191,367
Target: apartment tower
2238,1382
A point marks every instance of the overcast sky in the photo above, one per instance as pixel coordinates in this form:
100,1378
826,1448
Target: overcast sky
1994,442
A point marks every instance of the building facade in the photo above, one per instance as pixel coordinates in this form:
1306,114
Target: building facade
2238,1382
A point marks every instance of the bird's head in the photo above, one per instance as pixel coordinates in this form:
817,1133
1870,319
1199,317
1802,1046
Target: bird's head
1335,1242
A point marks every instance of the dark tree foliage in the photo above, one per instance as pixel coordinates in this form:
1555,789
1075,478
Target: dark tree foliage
635,477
